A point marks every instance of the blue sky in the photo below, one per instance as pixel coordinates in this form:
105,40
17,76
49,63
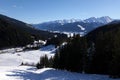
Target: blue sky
37,11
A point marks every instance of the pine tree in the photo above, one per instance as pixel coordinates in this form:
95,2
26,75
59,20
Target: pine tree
56,60
70,57
43,62
51,62
115,63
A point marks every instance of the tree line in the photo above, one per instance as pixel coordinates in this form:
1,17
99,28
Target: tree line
84,56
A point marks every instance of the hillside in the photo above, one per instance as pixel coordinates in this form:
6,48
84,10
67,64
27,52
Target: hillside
16,33
10,69
98,52
104,43
112,28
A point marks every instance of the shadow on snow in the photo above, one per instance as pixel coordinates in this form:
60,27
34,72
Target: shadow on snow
52,74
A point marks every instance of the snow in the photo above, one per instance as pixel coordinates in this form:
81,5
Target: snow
49,48
65,21
104,19
29,57
31,73
10,68
82,28
12,50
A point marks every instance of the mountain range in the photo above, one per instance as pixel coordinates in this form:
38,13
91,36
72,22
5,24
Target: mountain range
17,33
74,25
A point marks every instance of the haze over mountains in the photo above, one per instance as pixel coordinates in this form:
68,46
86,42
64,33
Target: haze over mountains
74,25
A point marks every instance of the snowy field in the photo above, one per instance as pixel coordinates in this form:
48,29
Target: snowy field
10,68
31,73
28,57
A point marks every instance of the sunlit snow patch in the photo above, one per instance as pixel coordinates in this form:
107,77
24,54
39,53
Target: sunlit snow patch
82,28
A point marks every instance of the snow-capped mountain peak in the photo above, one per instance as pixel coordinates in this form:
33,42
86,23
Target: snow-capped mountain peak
90,20
74,25
65,21
104,19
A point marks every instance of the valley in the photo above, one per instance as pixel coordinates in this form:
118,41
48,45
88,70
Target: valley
59,40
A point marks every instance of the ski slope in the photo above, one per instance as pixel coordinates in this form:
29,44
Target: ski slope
31,73
27,57
10,68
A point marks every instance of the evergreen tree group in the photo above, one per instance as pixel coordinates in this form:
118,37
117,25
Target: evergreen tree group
45,62
72,56
101,56
98,52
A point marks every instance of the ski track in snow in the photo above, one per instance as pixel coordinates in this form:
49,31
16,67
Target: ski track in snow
10,69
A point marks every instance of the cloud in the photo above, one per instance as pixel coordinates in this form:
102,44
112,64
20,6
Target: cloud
15,6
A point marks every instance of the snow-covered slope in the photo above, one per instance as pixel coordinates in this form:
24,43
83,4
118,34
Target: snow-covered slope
31,73
27,57
82,28
10,68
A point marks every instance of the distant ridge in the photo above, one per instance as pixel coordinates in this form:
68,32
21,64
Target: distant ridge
71,26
